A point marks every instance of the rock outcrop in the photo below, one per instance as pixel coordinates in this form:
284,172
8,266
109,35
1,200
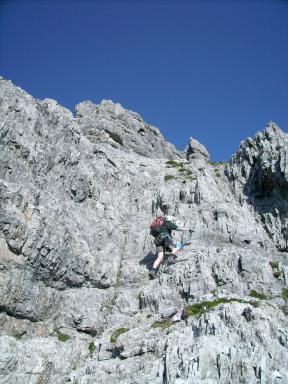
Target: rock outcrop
112,124
259,170
196,150
77,196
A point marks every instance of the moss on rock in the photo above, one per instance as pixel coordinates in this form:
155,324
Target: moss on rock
62,336
204,306
117,333
258,295
162,324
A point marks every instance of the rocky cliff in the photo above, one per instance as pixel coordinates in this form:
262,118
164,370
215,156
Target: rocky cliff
77,196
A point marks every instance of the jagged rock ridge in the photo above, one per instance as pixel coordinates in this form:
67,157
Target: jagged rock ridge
77,196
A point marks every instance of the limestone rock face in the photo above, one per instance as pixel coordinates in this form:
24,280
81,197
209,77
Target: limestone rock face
111,124
259,170
196,150
77,195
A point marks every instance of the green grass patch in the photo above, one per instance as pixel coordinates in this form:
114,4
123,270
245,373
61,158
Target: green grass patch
162,324
142,165
117,333
285,310
199,308
185,170
274,264
62,336
285,293
174,163
91,348
257,295
168,177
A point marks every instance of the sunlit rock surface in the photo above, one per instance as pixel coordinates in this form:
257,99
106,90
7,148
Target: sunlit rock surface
77,196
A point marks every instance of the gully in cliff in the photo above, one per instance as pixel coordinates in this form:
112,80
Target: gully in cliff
161,229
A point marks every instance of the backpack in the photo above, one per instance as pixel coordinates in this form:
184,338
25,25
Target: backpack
156,226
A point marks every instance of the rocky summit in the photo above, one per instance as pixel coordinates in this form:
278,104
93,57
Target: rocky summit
78,193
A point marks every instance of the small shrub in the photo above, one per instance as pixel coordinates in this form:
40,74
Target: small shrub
285,293
274,264
168,177
277,274
174,163
257,295
19,336
62,336
142,165
117,333
91,348
185,170
162,324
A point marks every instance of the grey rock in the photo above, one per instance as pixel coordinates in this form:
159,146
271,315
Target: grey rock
77,195
196,150
259,175
111,124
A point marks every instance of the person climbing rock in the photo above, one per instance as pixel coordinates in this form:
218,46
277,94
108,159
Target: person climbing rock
164,242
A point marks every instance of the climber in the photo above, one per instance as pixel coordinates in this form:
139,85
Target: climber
165,242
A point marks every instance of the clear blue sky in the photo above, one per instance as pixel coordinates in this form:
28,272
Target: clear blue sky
213,70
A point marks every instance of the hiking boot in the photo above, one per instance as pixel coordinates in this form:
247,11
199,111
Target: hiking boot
152,273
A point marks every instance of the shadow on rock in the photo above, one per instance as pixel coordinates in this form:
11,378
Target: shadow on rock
148,260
